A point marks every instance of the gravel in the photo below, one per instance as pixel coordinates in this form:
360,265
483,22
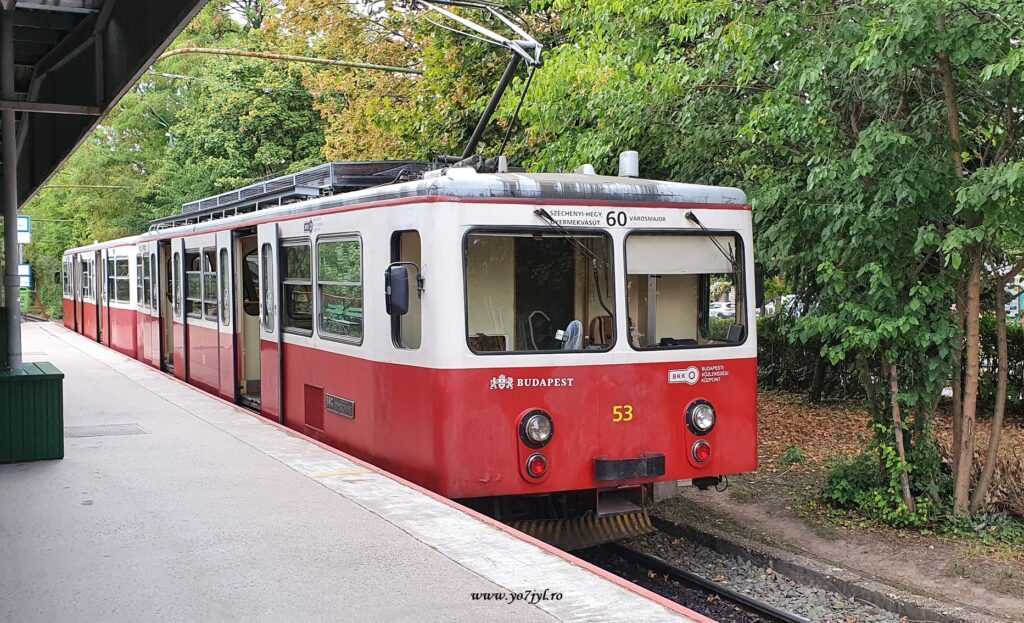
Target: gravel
763,582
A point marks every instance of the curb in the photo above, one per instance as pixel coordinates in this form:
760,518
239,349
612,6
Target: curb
828,577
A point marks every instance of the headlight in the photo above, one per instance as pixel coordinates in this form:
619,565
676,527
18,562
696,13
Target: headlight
700,417
536,429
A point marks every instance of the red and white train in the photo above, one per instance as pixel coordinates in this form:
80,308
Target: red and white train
540,346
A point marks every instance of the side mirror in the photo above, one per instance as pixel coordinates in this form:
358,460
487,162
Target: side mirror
56,277
396,290
758,286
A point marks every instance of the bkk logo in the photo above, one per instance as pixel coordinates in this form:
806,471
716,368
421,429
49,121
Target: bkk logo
690,375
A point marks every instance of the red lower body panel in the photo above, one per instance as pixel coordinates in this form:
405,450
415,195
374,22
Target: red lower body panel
204,358
455,431
69,314
226,346
88,321
122,334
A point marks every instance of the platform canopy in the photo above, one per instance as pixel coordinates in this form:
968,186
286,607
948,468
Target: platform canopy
73,59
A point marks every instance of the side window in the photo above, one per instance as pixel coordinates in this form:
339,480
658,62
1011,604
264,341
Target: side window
406,331
250,278
154,283
296,288
147,280
193,284
87,277
118,285
225,288
177,283
339,284
267,262
210,284
138,281
111,290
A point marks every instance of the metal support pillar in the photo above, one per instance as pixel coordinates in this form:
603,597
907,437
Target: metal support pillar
9,180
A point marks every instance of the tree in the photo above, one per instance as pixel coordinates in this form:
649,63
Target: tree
873,176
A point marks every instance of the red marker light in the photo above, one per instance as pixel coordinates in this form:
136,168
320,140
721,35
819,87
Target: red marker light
536,465
701,451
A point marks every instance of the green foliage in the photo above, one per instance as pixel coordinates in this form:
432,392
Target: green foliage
192,127
793,455
989,529
869,483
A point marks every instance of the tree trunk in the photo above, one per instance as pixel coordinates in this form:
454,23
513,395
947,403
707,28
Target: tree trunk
980,493
818,381
869,388
958,381
965,460
952,107
897,429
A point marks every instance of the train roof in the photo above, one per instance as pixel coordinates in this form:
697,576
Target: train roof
117,242
464,183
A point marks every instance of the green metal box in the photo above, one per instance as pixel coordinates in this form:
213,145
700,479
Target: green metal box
32,413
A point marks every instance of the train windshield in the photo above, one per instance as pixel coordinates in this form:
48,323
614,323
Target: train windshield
685,290
539,291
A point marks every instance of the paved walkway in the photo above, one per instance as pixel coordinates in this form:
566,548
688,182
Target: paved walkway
207,513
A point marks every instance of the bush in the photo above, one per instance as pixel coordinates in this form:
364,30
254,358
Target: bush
794,455
869,483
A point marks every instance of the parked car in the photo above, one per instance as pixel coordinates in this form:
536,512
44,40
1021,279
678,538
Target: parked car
722,310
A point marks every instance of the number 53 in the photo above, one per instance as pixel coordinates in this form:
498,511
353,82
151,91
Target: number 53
622,413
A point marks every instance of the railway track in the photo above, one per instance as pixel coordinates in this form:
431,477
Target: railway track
760,610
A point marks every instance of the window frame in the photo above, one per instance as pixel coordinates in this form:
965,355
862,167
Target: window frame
154,283
186,299
317,283
113,279
740,251
88,274
147,282
396,321
223,262
207,270
267,307
138,281
284,281
176,261
588,231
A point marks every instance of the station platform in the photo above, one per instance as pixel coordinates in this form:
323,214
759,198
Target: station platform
172,505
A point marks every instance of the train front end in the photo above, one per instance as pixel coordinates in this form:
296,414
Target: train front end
610,344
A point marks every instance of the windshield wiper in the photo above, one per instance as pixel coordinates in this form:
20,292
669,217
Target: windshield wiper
569,236
594,260
690,216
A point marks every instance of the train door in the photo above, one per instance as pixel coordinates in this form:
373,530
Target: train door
142,303
246,284
153,313
165,308
179,317
270,331
76,291
99,276
226,316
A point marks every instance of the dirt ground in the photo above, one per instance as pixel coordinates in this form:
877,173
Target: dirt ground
777,505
